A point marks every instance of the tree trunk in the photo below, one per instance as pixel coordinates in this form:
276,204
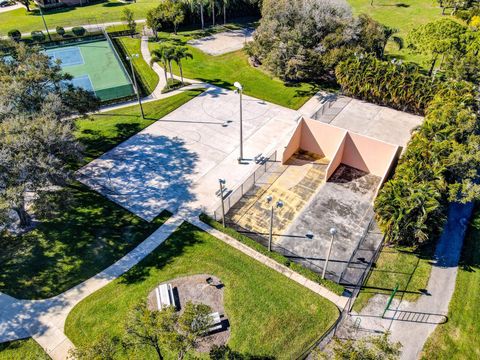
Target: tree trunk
170,67
165,71
201,17
213,13
27,5
175,28
181,71
224,13
433,65
159,352
25,218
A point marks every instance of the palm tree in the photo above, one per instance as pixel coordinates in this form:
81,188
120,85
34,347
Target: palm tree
225,4
164,55
181,53
212,7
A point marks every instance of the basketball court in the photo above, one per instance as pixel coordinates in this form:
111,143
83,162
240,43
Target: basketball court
177,161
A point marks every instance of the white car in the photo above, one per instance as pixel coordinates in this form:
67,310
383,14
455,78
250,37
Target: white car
5,3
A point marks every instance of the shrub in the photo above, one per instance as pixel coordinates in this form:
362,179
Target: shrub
79,31
439,166
38,36
15,35
389,83
60,30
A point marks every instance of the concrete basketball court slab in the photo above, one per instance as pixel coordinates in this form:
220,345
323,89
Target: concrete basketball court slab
177,161
225,42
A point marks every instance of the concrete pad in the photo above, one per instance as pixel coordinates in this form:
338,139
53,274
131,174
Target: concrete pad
378,122
178,160
225,42
344,202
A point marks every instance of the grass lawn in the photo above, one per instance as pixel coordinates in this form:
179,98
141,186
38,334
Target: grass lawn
402,15
224,70
101,132
86,232
146,77
108,11
458,338
26,349
409,269
268,313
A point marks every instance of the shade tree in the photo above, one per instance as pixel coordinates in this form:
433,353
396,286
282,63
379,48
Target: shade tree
37,142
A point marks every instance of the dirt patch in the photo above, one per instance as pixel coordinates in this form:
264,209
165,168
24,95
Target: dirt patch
196,289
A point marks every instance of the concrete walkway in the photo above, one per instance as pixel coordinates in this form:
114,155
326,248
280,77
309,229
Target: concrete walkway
44,320
411,323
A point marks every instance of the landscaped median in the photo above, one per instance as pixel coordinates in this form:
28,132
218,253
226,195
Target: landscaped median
147,78
269,314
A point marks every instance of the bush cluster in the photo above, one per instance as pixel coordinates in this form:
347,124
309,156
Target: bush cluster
79,31
389,83
440,165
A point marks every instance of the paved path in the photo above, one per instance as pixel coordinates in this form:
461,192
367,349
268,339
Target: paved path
411,323
11,7
44,320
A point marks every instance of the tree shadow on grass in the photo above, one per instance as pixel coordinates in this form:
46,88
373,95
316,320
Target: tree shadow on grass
78,240
174,247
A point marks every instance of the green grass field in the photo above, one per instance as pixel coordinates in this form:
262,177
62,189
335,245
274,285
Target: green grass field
269,314
224,70
86,232
26,349
409,269
402,15
146,77
458,338
108,11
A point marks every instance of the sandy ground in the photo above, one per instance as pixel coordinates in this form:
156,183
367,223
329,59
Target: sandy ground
224,42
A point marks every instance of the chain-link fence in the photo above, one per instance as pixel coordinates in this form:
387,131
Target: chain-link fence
234,196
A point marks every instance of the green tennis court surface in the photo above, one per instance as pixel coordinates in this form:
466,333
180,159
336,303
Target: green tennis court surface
94,67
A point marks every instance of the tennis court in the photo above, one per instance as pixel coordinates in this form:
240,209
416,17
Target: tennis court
94,66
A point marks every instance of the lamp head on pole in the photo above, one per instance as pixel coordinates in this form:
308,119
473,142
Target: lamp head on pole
333,231
238,86
309,235
222,181
279,203
269,199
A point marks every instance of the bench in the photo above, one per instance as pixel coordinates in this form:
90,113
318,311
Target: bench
164,296
216,322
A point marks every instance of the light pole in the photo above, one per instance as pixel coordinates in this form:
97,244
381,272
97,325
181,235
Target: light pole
222,184
278,205
333,232
130,58
240,92
45,23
